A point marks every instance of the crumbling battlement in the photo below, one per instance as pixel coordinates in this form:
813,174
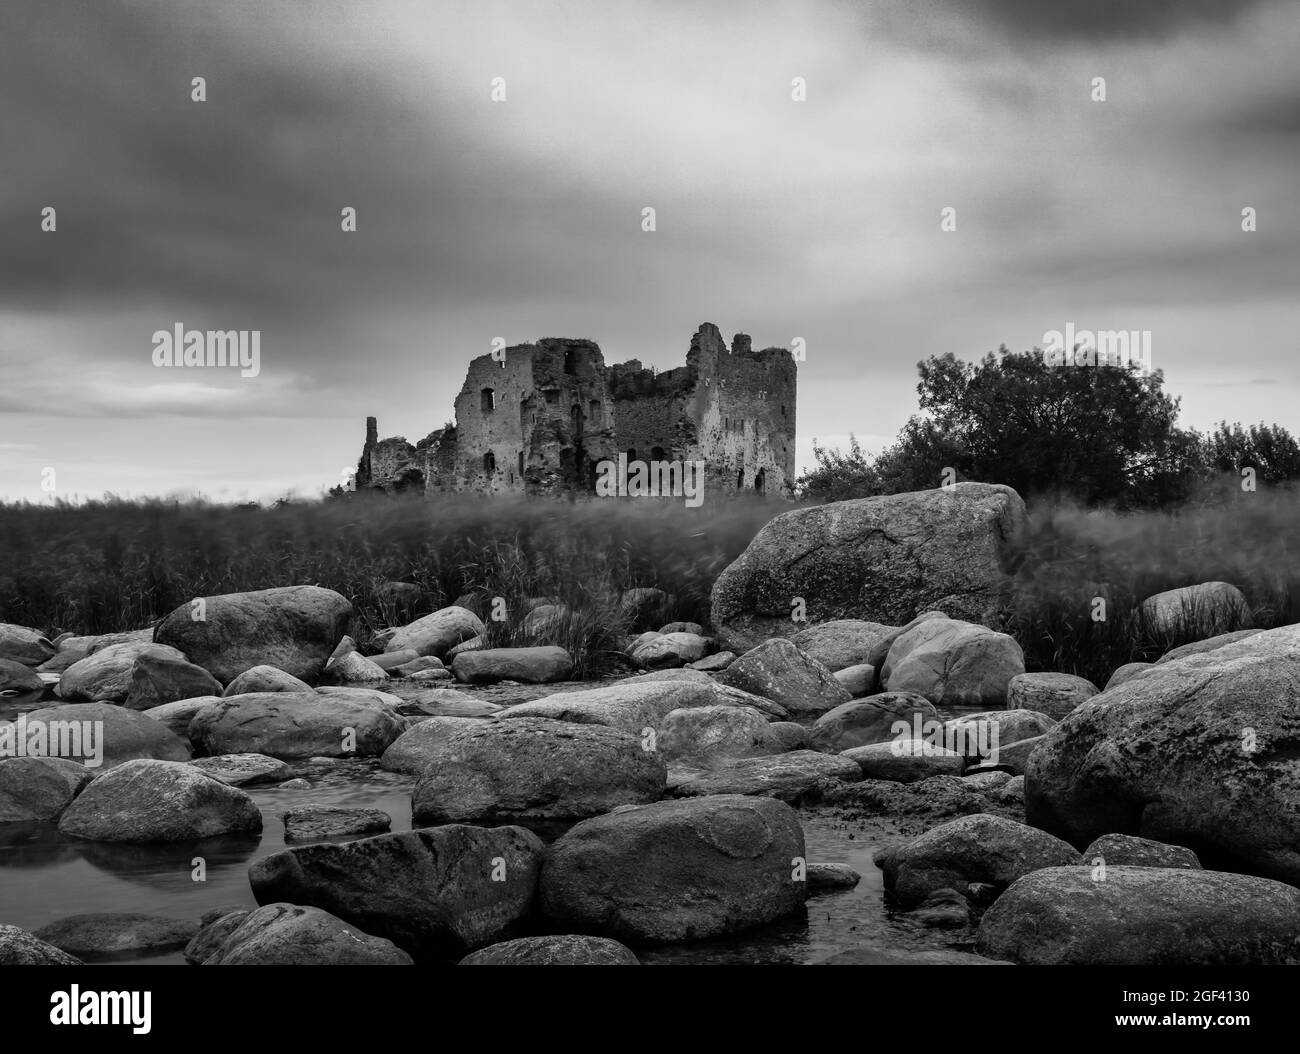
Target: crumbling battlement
540,418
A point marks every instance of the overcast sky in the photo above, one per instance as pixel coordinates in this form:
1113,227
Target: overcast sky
522,219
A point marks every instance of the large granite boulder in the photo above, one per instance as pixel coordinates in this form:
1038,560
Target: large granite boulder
438,633
1203,610
293,935
37,790
349,723
20,948
432,892
293,628
156,680
532,770
677,870
30,647
1143,916
565,950
953,663
1203,751
1053,694
872,720
158,801
541,665
779,671
105,675
102,735
15,677
882,559
841,643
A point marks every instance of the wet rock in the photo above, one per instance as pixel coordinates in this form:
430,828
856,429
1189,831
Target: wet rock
307,822
156,680
214,928
874,720
418,665
15,677
242,770
294,628
857,680
122,735
37,790
176,717
117,935
158,801
670,650
105,675
265,679
431,892
704,733
1053,694
943,909
297,725
953,663
904,761
1199,646
450,702
788,777
436,634
713,663
292,935
873,955
979,848
529,770
20,948
567,950
676,870
1124,850
842,643
779,671
542,665
1143,916
355,668
28,647
831,878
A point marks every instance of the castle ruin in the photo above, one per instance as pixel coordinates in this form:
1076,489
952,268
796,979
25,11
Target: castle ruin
540,418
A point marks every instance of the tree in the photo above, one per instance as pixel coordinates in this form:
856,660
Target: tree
1270,450
838,475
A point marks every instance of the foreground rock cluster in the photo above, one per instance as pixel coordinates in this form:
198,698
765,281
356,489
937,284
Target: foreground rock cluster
1042,819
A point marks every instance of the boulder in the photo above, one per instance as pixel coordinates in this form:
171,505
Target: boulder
177,716
1203,751
842,643
545,620
831,878
29,647
979,848
156,680
1123,850
566,950
265,679
470,644
297,725
423,743
243,770
401,601
986,736
394,660
953,663
292,935
874,720
293,628
1143,916
880,650
693,628
355,668
214,927
417,665
1205,610
15,677
307,822
1053,694
436,634
432,892
105,675
117,935
450,702
530,770
905,761
542,665
74,649
787,777
158,801
20,948
671,649
704,733
881,559
626,705
857,680
779,671
117,735
37,790
677,870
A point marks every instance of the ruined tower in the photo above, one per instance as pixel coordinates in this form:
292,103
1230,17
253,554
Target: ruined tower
542,417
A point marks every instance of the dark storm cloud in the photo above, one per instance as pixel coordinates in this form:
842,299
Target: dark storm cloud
1100,20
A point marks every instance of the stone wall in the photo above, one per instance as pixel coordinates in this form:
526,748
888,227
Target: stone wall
541,418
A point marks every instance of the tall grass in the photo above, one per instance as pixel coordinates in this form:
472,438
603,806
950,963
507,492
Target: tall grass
115,565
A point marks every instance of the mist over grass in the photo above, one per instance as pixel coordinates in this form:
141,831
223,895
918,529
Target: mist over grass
113,565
